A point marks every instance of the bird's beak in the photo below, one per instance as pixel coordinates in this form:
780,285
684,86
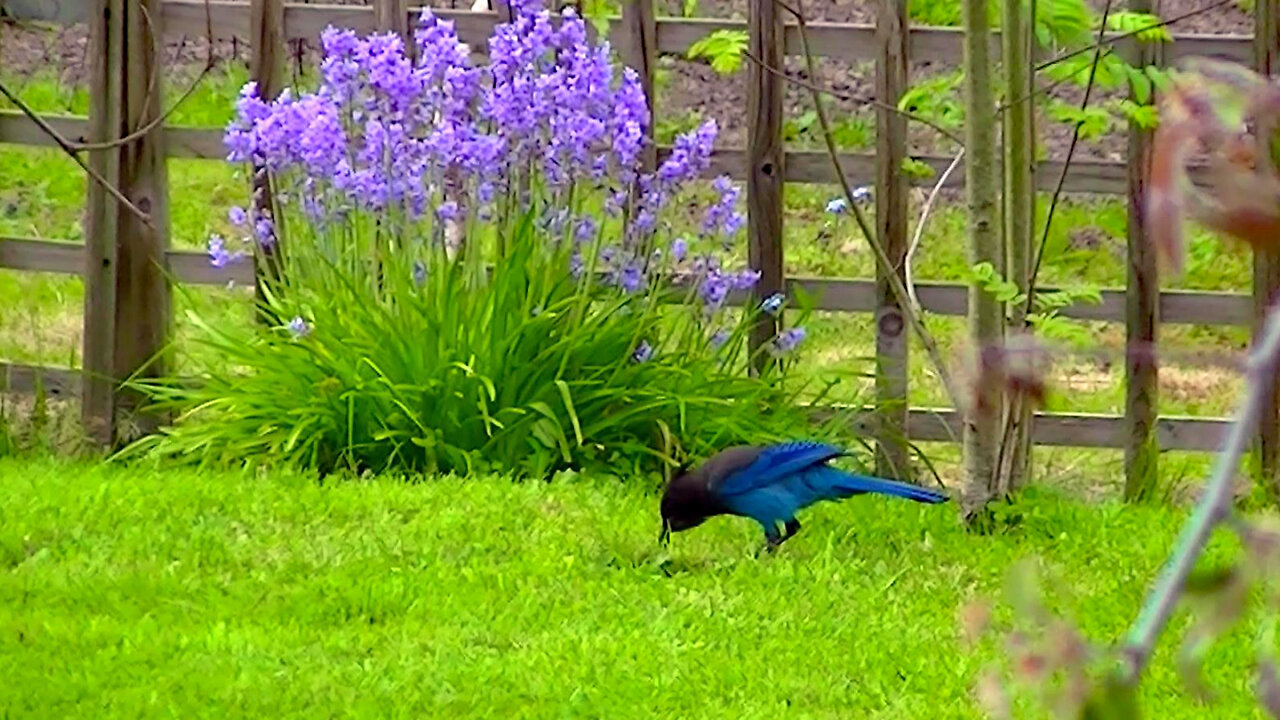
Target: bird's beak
664,537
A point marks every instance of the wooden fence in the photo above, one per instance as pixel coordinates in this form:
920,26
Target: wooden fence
127,298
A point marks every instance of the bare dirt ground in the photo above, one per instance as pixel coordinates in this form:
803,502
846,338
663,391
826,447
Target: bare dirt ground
692,86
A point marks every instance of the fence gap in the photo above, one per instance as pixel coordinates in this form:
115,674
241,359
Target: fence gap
106,36
892,202
765,166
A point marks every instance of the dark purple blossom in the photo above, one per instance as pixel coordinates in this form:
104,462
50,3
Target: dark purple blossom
237,216
787,340
679,249
643,352
219,256
299,327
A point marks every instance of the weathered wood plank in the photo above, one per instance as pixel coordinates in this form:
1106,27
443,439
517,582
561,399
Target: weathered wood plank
766,169
97,259
892,202
1177,307
844,41
1082,430
1104,177
21,379
143,313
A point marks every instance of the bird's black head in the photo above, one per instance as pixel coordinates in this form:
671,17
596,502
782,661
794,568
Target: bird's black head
686,503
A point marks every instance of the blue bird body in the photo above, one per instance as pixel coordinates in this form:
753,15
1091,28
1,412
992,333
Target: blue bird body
770,485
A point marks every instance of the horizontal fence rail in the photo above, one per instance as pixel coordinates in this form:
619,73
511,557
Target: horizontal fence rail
838,41
1104,177
1177,307
1081,430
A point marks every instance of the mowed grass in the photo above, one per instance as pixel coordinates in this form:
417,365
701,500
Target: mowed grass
132,592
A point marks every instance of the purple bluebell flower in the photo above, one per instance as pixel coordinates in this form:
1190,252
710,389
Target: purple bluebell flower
447,210
643,352
265,231
714,290
299,327
719,338
419,273
679,249
787,340
237,216
576,266
861,194
746,279
219,256
837,206
585,229
631,277
772,304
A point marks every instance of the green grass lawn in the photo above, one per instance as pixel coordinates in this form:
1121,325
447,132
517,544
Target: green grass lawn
130,592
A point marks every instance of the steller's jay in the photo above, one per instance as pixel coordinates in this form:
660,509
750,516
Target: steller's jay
769,484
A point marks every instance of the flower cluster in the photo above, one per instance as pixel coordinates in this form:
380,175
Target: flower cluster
434,142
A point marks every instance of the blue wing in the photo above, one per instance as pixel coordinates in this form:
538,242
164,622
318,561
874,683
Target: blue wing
775,464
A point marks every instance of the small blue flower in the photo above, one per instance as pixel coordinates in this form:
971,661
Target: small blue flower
419,273
837,206
447,210
679,249
643,352
299,327
772,304
719,339
219,256
787,340
237,216
861,194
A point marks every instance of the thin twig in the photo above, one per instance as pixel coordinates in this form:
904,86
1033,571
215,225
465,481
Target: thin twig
211,61
68,149
1213,506
1066,166
924,217
909,308
853,98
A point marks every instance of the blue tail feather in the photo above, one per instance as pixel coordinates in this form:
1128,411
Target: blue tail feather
844,484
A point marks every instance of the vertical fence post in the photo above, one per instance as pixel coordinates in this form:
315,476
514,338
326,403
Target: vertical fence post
143,318
101,219
266,68
891,227
1266,264
1142,312
641,54
765,170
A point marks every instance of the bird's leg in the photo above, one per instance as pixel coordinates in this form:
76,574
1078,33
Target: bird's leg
791,527
771,539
